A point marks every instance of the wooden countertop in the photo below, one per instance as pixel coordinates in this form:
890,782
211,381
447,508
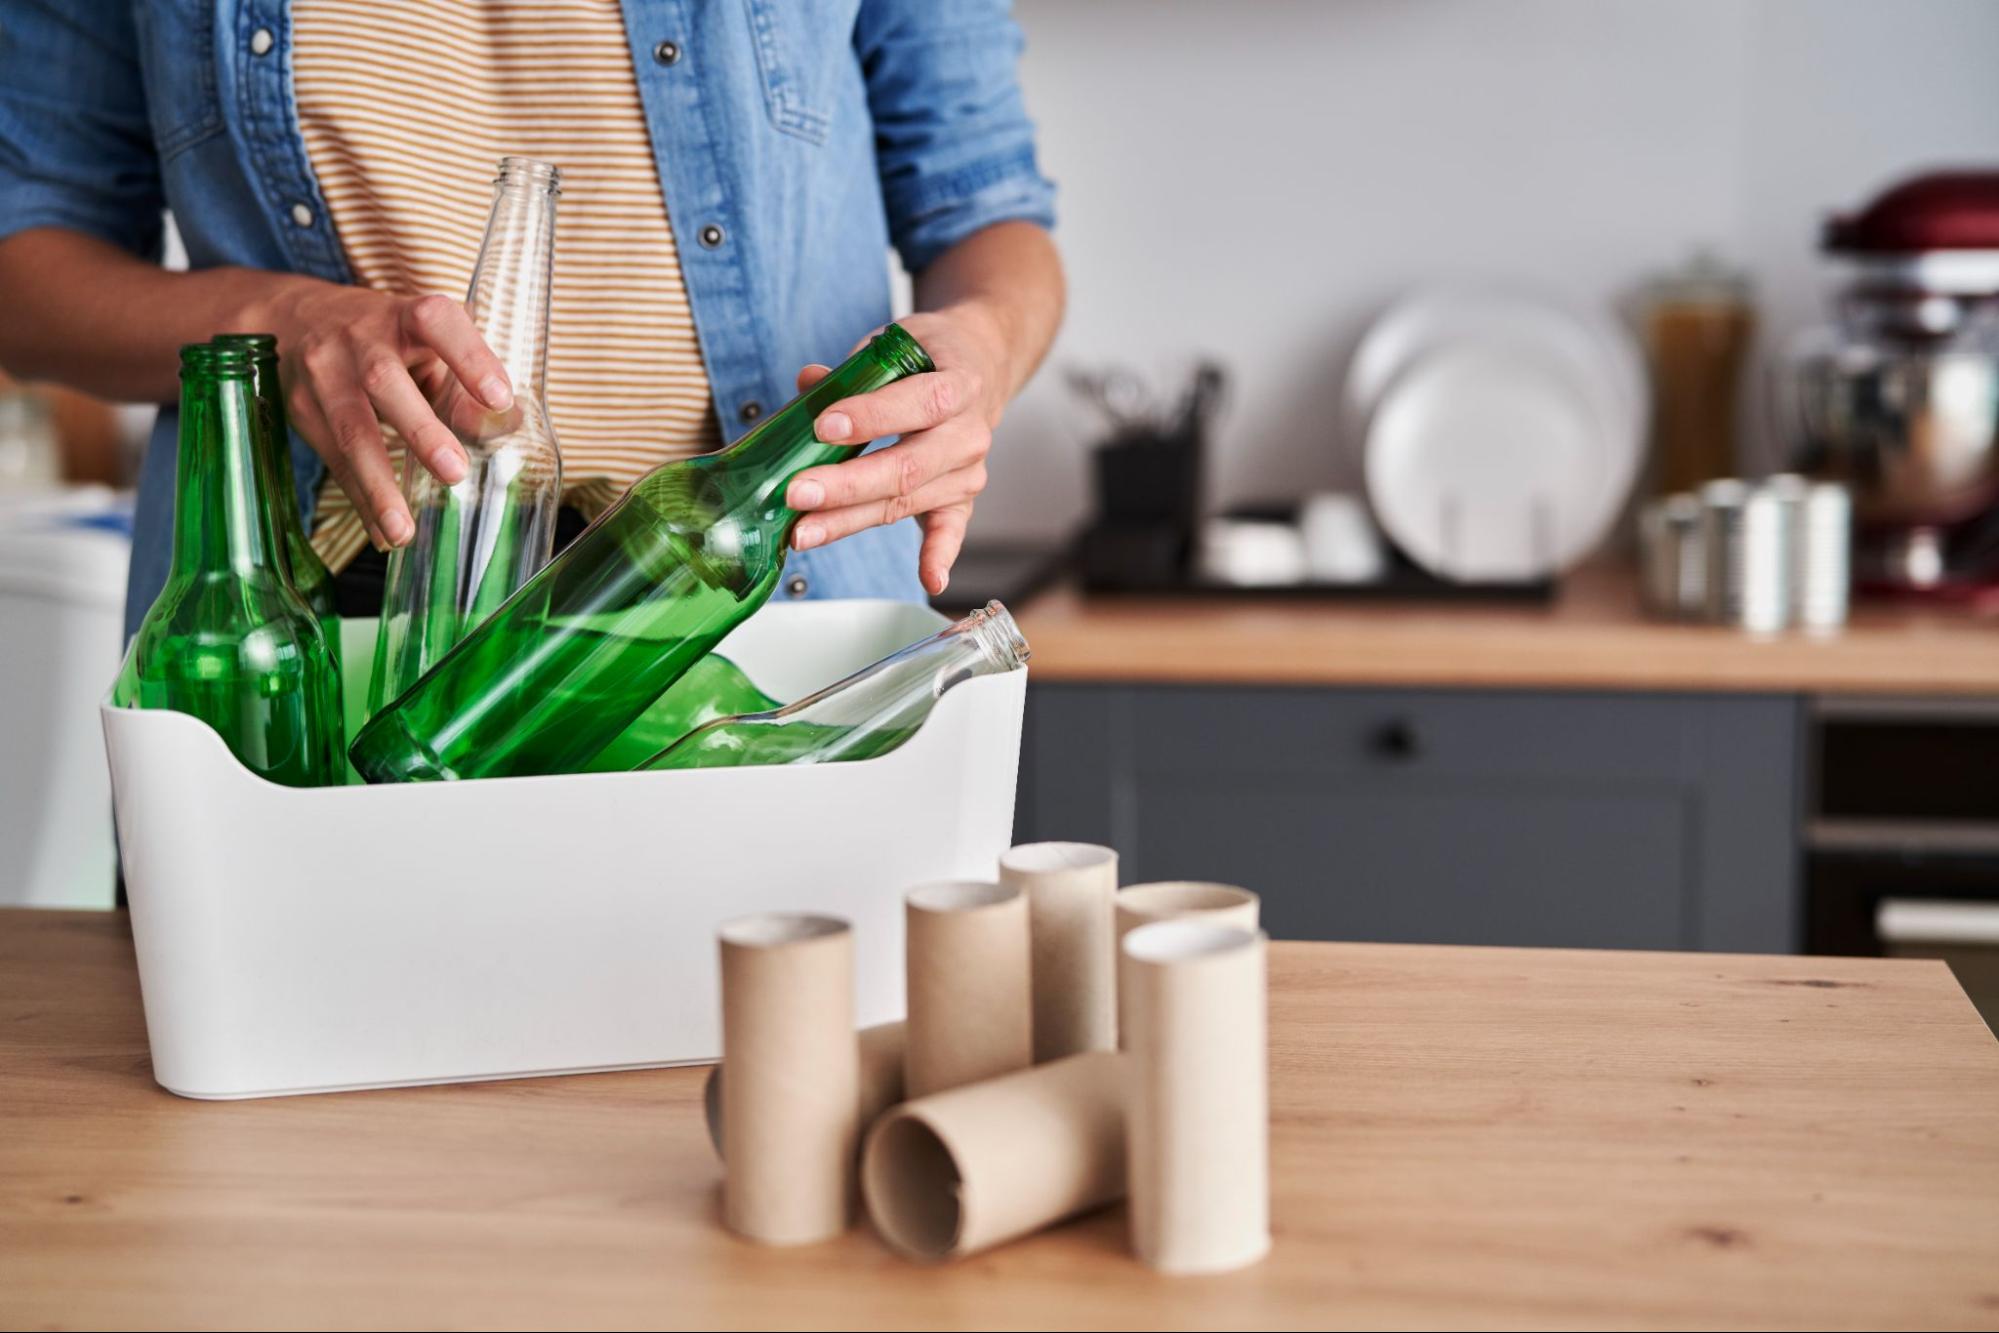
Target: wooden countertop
1460,1137
1592,637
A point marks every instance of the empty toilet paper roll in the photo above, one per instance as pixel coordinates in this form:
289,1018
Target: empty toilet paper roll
1169,899
791,1116
880,1049
1069,888
966,957
954,1173
1199,1111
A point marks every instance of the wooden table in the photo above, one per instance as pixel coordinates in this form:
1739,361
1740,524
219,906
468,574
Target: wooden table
1461,1137
1593,637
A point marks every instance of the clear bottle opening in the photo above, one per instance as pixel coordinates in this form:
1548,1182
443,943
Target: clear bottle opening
528,173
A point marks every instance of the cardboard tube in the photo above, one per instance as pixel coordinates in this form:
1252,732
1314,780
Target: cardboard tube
881,1080
1199,1112
951,1174
791,1116
966,955
1069,888
1167,900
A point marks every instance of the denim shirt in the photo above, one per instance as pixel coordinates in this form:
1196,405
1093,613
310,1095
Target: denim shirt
795,141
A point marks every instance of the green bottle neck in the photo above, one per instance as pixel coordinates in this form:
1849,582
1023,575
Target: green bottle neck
785,446
274,435
221,524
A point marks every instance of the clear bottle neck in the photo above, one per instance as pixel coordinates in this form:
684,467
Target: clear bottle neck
509,295
903,685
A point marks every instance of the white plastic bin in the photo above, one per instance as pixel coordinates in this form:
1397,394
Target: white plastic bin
295,941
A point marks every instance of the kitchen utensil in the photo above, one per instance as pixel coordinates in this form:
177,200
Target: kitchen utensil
1601,354
1899,397
1698,322
1485,465
1674,564
1820,526
1743,532
1341,544
1511,427
1251,554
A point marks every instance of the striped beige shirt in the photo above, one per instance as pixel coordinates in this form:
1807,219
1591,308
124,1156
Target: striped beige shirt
406,109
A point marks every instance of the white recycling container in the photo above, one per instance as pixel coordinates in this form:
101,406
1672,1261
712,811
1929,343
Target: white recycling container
294,941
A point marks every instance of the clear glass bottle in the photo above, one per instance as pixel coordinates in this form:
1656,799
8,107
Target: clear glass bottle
229,640
688,553
868,714
478,541
301,563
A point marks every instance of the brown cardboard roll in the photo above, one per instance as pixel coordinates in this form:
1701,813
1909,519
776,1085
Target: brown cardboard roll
1069,888
966,957
881,1080
953,1173
791,1117
1168,899
1199,1110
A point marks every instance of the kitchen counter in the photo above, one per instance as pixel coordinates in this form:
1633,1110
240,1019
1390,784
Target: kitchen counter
1460,1137
1592,637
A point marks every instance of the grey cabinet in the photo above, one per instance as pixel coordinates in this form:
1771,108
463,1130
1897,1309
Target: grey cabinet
1610,820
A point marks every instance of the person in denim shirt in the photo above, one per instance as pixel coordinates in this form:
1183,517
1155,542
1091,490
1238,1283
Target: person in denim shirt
795,141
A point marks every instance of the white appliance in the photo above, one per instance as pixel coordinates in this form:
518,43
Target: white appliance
63,555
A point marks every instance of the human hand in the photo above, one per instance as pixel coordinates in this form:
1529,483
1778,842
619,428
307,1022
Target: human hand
353,359
937,469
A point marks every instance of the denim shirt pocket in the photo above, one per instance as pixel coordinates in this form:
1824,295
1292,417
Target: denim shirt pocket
795,88
177,44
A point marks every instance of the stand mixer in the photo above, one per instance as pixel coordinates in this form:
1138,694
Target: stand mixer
1899,398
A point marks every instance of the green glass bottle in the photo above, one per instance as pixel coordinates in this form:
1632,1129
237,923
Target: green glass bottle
300,562
713,687
646,591
229,640
868,714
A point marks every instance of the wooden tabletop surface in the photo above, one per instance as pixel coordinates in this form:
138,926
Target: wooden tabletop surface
1592,636
1460,1137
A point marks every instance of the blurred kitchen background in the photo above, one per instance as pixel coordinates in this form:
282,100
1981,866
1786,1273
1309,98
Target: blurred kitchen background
1520,281
1257,180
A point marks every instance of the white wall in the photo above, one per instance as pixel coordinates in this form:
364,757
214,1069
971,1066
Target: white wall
1254,178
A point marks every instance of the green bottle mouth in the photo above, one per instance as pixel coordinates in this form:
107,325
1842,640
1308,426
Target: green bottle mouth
907,354
216,359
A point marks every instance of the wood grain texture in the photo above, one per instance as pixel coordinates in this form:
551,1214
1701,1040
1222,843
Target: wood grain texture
1592,637
1460,1138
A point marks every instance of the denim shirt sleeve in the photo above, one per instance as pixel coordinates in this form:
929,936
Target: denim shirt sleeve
952,138
76,144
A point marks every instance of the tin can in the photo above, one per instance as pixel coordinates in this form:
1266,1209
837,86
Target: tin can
1822,544
1745,539
1673,560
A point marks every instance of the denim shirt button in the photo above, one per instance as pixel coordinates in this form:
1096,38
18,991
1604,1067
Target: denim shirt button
796,586
301,215
750,411
667,53
261,42
712,236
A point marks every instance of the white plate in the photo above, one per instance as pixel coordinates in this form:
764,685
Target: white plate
1591,354
1486,465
